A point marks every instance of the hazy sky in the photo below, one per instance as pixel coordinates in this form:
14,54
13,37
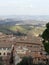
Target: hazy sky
24,7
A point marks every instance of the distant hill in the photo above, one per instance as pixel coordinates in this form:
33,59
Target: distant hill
21,29
24,19
11,22
26,28
23,24
8,31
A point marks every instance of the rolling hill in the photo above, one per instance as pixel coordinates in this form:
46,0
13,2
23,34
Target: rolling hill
26,28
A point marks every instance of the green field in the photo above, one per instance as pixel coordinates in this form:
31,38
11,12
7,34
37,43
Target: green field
23,29
26,29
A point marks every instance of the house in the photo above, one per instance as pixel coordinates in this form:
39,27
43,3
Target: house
23,46
30,46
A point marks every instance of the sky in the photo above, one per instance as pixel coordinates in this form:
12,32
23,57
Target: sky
24,7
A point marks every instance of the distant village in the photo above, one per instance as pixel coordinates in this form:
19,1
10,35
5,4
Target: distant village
20,46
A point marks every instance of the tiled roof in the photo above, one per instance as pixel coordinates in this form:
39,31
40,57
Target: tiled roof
35,40
8,40
3,44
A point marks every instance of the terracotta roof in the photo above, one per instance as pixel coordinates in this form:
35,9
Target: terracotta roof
36,55
2,45
8,40
43,57
35,40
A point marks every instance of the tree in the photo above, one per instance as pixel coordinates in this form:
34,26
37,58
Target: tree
11,61
45,34
47,25
1,61
26,61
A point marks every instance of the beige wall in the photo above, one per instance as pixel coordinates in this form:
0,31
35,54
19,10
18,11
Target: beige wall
2,51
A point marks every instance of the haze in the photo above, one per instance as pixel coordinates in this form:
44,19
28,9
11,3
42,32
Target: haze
24,7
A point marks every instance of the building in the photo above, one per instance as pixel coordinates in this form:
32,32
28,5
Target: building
5,48
23,46
30,46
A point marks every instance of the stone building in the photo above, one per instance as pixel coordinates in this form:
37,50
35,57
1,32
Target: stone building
23,46
30,46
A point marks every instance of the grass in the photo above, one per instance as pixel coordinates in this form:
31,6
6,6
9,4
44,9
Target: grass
37,31
20,28
25,29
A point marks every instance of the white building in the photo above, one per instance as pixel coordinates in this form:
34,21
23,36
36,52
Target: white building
5,49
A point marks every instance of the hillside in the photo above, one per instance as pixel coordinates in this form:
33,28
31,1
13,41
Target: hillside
10,26
21,28
7,31
26,28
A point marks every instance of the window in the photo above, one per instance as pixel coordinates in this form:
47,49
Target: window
3,53
44,59
8,53
0,53
41,53
38,58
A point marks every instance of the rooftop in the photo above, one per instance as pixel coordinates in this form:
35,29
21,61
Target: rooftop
8,40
